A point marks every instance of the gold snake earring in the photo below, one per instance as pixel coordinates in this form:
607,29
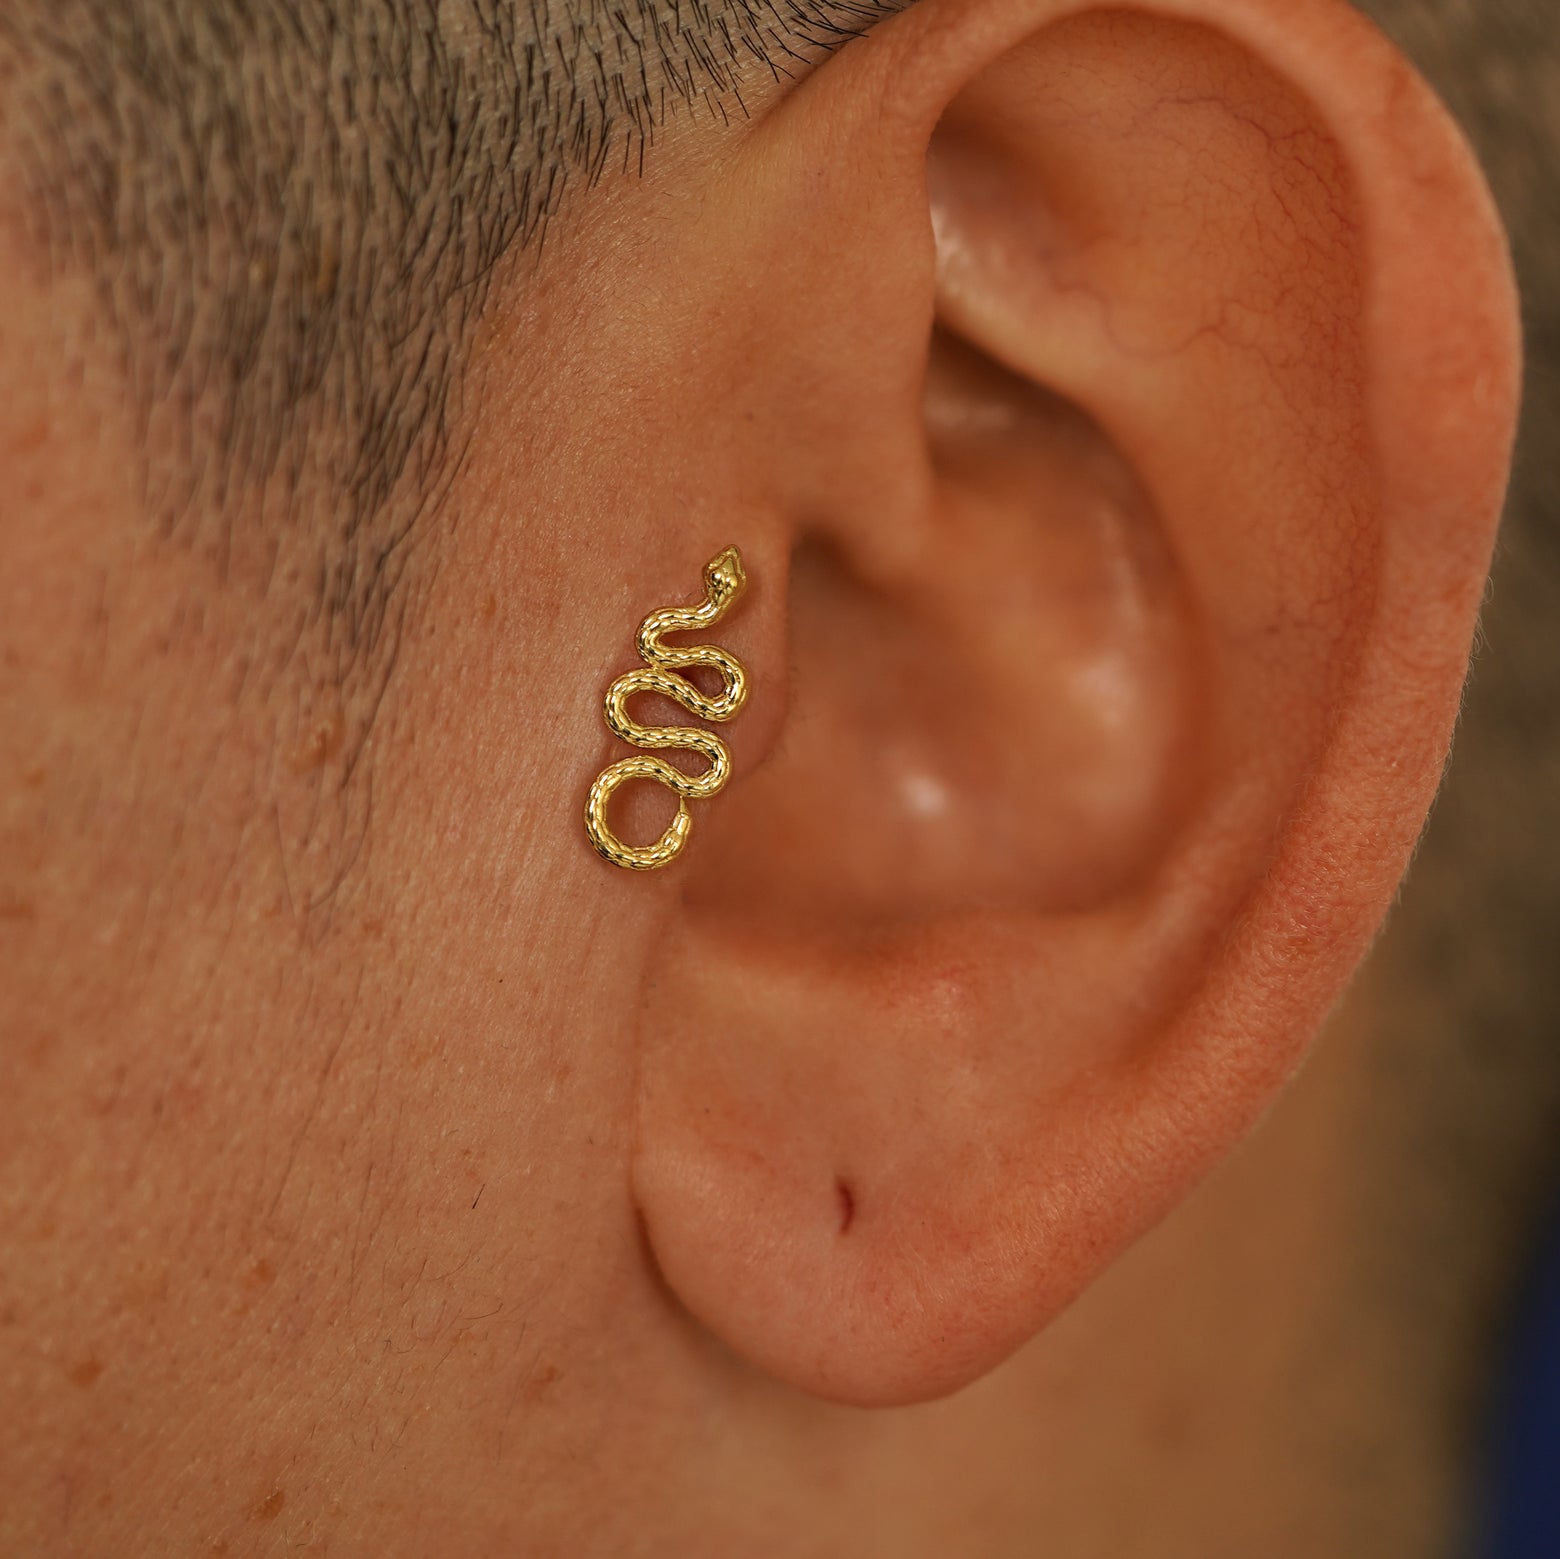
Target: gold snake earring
724,581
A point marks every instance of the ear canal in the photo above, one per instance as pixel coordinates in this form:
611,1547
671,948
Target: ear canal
1107,730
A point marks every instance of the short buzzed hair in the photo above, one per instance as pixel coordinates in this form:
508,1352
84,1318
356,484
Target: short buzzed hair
293,210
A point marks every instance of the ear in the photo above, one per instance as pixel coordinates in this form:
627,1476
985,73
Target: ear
1119,489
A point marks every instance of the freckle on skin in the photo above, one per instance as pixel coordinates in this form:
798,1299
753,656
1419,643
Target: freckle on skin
260,1273
86,1372
548,1375
320,743
270,1507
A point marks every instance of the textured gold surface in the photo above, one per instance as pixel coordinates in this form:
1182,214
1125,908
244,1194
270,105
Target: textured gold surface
724,581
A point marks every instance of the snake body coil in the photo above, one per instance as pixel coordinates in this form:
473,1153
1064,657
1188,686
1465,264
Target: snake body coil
724,581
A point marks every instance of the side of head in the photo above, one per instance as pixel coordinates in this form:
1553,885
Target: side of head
1113,408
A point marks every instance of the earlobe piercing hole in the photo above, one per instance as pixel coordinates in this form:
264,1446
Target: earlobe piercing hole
847,1200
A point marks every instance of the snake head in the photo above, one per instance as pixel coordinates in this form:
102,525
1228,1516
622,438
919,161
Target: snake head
724,578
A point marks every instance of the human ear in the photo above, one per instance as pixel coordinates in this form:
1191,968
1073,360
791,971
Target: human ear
1143,381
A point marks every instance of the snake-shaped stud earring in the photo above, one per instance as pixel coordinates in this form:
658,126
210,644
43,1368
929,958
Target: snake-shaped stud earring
724,581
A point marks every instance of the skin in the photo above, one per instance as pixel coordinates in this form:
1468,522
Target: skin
386,1173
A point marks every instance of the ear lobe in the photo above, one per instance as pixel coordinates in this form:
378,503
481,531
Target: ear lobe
1225,378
